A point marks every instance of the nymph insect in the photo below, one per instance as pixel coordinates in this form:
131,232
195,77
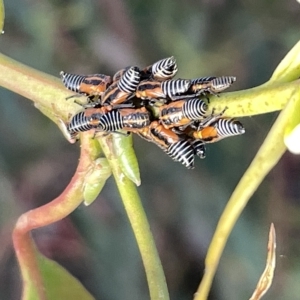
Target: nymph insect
182,112
216,129
88,85
122,89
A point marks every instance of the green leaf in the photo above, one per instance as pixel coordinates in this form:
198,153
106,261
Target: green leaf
126,156
95,180
58,283
289,68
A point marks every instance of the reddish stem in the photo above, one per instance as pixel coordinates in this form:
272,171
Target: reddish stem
49,213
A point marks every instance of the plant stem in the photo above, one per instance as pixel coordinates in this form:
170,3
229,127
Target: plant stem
49,94
266,158
137,217
44,90
47,214
259,100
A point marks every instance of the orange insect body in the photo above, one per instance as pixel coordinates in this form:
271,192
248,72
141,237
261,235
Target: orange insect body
207,134
215,129
89,85
210,85
113,95
171,115
93,85
123,88
182,112
175,146
149,90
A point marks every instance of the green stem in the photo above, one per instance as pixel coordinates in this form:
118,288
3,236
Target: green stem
266,158
46,91
137,217
259,100
49,94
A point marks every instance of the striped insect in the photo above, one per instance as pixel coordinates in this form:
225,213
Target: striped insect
182,152
216,129
178,148
199,148
117,76
79,123
168,90
182,112
210,85
163,69
121,119
83,120
88,85
122,89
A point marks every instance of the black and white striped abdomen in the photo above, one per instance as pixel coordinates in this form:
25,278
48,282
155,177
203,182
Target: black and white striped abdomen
183,152
72,81
164,69
228,127
173,88
203,80
194,109
79,123
130,80
111,121
221,83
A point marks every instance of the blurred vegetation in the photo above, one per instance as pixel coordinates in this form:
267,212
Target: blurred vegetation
246,39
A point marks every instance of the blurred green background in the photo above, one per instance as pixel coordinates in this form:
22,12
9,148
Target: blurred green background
246,39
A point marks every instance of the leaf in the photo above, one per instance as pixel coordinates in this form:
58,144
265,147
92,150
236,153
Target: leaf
266,278
58,283
95,180
289,68
126,157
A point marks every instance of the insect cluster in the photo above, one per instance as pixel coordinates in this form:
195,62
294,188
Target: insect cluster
150,103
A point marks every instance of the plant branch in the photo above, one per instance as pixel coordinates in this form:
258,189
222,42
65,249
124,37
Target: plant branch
266,158
259,100
49,94
138,220
47,214
46,91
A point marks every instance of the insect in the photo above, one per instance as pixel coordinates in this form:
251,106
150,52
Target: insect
169,89
216,129
122,119
79,123
163,69
176,147
117,76
88,85
199,148
102,119
121,90
84,121
183,152
182,112
210,85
